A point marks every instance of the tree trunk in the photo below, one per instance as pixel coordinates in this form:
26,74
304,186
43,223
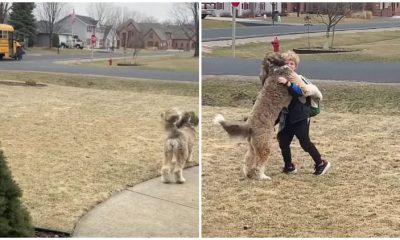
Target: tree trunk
50,40
196,20
333,36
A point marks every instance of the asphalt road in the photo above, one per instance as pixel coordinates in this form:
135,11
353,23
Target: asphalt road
283,29
351,71
46,63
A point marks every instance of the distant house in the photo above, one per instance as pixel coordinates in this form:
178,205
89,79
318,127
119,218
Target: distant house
245,9
381,9
384,9
81,26
42,38
154,35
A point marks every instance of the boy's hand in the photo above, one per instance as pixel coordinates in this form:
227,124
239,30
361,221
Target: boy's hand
284,81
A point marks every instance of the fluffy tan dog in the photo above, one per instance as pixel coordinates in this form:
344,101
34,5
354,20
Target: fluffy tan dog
259,127
179,143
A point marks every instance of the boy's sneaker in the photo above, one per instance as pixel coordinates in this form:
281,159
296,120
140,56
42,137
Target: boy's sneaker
322,168
291,170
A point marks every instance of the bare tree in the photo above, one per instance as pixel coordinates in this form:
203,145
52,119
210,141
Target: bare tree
149,20
331,16
50,12
4,8
99,11
187,18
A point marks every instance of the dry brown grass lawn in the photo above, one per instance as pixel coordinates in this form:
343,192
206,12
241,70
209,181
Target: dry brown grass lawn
358,197
70,148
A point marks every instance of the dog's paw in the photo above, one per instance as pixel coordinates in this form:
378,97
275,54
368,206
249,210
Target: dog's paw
165,179
180,180
261,176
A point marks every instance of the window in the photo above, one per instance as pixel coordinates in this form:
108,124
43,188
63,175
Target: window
151,35
4,34
91,28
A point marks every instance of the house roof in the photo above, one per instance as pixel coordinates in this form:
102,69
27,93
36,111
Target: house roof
160,33
84,19
126,23
179,33
159,29
87,20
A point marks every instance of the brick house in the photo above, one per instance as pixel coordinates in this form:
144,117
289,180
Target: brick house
153,35
381,9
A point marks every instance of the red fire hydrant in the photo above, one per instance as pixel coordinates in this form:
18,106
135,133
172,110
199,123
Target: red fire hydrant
275,44
110,61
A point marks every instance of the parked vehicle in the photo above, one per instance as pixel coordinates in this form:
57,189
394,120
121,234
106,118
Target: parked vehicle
8,46
73,43
207,9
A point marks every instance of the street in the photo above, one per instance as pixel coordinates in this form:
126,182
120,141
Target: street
46,63
282,29
323,70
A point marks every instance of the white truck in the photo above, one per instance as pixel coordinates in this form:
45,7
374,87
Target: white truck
72,43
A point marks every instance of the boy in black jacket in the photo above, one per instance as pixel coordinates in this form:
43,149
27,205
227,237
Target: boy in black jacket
295,121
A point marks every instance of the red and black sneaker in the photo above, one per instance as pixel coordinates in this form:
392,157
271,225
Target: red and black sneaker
322,168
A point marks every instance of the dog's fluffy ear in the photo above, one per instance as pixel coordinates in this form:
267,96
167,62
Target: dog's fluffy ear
189,118
275,59
194,120
171,116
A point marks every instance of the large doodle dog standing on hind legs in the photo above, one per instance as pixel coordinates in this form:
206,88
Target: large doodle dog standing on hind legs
259,127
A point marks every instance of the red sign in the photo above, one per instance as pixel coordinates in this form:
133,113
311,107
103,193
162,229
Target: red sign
235,4
93,38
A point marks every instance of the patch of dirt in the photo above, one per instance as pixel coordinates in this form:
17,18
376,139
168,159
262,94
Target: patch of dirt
46,233
129,64
23,84
323,50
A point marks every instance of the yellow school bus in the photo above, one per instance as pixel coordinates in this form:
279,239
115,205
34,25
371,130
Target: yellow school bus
7,44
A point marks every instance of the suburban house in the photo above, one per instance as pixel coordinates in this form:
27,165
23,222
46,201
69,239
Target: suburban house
380,9
82,27
255,9
154,35
245,9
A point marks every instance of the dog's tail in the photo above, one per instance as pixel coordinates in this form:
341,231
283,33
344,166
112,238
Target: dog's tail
241,130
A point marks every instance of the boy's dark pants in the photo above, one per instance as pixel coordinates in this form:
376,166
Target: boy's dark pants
301,131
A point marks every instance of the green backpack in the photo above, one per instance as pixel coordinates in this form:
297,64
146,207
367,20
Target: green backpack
314,111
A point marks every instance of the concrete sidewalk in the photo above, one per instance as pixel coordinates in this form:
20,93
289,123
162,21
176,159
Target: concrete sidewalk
149,209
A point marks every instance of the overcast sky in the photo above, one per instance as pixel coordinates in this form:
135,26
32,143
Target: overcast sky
160,11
